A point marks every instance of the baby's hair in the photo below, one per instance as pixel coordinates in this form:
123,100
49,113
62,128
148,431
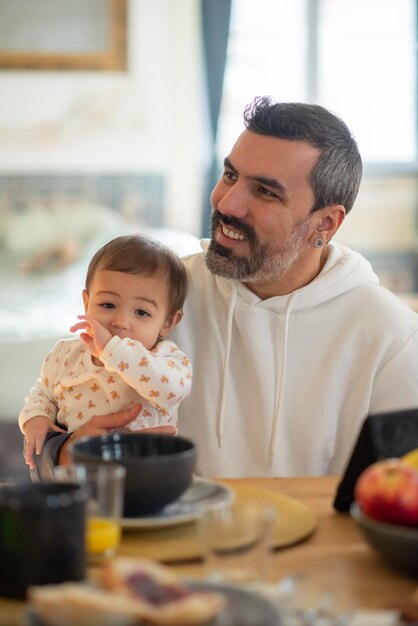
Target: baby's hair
144,256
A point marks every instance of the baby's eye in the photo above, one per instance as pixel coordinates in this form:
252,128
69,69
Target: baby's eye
107,305
142,313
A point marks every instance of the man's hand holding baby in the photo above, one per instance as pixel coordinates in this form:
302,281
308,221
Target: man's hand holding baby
95,335
103,424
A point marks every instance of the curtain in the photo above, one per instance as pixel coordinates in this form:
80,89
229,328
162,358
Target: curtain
215,16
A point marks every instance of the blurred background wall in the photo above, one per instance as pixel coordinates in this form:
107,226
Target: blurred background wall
159,117
144,119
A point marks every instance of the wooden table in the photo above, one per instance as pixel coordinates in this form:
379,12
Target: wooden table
335,554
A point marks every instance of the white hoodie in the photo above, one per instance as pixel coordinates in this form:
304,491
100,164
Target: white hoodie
281,386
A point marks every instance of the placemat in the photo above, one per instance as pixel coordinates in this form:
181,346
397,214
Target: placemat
295,522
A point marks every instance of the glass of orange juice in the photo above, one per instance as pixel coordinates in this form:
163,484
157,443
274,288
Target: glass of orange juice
105,487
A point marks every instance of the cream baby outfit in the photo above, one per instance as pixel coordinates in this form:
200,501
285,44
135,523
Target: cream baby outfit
71,389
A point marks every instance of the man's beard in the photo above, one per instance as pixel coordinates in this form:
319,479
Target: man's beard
264,263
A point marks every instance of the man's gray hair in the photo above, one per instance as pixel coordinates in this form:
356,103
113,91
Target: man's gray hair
336,176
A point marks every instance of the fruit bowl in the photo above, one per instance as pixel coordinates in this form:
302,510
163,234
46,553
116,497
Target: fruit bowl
396,544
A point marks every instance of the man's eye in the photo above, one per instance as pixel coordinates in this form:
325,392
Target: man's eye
142,313
229,176
266,192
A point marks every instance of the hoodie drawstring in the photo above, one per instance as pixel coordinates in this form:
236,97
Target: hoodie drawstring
280,386
221,416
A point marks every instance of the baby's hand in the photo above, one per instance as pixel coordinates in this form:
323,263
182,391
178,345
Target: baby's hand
35,431
94,334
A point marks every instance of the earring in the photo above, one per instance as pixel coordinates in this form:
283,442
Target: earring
318,242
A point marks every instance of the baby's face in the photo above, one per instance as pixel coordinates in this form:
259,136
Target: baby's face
130,306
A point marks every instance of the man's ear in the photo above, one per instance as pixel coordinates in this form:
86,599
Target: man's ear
331,219
170,323
85,295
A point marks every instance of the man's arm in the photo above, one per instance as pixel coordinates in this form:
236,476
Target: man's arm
48,458
55,449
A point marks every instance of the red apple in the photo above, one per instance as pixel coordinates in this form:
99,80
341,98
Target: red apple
388,491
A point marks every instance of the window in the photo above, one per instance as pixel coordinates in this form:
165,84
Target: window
356,57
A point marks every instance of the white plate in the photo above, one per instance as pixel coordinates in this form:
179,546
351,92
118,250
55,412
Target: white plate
201,494
244,607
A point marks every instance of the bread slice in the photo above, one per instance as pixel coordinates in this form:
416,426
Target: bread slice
130,592
170,603
70,604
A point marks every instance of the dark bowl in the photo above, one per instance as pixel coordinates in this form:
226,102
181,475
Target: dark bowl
159,468
396,544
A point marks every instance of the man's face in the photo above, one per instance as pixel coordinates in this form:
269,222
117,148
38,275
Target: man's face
261,221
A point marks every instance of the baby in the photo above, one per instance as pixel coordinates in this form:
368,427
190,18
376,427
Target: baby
134,295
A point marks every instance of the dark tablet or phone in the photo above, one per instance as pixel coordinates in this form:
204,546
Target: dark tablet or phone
382,436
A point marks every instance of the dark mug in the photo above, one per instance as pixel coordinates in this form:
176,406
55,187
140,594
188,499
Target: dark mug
42,536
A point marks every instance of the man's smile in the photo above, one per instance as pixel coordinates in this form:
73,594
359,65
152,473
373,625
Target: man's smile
230,233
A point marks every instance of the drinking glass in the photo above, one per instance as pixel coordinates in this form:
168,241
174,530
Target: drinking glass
236,541
105,487
42,536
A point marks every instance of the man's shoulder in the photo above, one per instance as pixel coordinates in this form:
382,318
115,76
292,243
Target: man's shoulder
196,267
197,258
387,305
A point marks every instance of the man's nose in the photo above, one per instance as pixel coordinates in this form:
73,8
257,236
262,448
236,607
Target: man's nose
233,201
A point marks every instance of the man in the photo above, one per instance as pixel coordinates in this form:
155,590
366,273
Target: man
292,339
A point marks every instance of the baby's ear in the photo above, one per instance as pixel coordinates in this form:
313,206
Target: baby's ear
85,295
170,323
